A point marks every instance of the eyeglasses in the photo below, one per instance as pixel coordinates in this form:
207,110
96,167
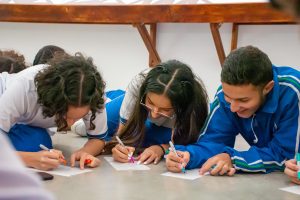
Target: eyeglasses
151,109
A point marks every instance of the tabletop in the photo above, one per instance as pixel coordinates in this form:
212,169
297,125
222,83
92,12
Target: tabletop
104,182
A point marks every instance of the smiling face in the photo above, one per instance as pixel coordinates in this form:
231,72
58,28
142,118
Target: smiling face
245,100
76,113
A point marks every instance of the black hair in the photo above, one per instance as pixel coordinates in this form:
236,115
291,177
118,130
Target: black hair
247,65
47,53
187,95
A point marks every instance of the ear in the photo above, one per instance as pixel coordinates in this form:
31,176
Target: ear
268,87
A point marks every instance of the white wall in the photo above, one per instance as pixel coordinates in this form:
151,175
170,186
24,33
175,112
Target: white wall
119,51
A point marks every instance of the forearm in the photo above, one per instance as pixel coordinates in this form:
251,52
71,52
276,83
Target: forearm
93,146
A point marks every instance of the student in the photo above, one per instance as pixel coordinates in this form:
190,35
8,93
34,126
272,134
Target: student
44,96
16,183
11,62
46,53
257,100
161,104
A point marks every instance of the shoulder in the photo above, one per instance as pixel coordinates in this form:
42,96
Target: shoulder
288,80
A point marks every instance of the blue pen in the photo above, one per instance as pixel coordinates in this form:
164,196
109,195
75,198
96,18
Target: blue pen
174,150
298,164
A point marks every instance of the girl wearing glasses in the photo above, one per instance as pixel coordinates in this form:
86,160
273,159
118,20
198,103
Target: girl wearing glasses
161,104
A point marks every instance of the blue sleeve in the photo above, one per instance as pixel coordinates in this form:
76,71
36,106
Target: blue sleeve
284,145
220,131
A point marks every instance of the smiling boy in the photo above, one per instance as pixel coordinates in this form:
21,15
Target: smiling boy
258,101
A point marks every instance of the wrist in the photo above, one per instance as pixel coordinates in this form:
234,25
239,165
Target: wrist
162,150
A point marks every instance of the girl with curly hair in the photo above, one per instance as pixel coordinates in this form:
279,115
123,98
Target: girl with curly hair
11,61
57,94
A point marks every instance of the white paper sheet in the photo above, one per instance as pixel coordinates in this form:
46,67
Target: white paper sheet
189,174
125,166
65,171
292,189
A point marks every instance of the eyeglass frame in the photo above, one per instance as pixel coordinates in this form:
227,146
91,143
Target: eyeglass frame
150,109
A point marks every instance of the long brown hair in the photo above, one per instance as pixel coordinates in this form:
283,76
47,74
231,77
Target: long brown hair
187,95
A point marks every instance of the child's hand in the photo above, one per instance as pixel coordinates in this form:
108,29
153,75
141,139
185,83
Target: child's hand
44,160
291,169
83,157
121,154
218,165
151,154
175,163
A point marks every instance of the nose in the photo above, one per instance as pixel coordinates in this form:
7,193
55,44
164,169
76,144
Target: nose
234,106
154,113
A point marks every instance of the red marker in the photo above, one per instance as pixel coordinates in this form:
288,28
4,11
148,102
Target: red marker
87,161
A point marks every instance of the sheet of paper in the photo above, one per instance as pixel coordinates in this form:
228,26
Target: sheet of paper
292,189
189,174
125,166
65,171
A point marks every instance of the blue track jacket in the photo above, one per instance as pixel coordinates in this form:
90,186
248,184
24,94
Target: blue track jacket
272,132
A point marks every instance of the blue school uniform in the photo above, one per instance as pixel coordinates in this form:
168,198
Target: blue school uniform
154,134
273,132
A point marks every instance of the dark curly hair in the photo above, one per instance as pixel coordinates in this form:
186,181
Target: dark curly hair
69,80
11,61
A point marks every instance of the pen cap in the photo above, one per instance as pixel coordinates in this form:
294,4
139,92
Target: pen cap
298,157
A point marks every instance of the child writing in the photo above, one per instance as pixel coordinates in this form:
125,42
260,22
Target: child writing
161,104
256,99
58,94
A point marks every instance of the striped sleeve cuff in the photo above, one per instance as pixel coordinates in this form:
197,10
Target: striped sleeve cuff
100,136
249,161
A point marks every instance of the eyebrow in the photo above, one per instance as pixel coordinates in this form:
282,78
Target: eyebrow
159,107
243,98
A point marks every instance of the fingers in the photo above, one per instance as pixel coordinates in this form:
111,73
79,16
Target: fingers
150,159
47,161
185,157
62,159
174,163
120,153
215,169
58,152
95,162
295,180
85,159
231,171
290,172
209,165
224,170
292,165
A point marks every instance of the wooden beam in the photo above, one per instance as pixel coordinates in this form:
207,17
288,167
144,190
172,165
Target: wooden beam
149,44
234,36
214,27
153,31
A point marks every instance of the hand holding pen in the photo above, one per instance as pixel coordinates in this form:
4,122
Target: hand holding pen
181,164
61,157
122,153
